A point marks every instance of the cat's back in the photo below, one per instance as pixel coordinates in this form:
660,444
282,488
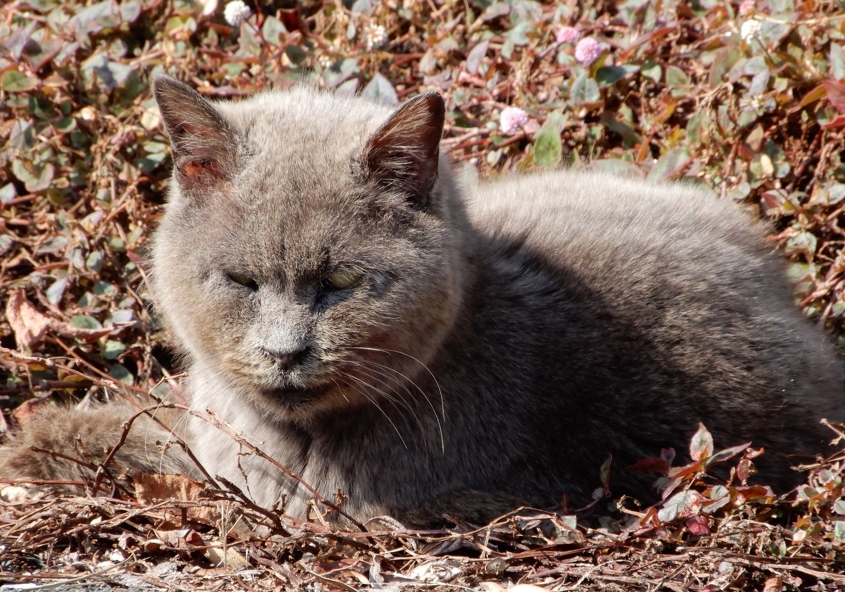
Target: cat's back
667,281
634,244
596,224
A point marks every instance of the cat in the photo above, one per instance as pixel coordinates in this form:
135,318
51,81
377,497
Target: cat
430,351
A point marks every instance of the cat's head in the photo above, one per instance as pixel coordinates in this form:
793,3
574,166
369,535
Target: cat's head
311,251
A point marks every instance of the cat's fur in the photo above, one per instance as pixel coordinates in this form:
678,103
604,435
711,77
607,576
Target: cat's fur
498,345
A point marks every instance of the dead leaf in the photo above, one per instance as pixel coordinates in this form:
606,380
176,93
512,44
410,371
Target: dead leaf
231,558
31,326
152,488
24,412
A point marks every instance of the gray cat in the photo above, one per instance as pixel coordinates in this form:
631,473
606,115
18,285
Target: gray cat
340,302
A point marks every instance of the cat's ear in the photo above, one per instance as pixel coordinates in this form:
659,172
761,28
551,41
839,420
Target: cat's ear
403,153
202,142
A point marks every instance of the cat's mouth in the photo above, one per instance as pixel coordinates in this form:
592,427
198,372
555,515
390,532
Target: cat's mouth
295,397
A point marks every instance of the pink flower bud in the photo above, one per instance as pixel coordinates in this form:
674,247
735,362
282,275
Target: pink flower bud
567,35
746,7
587,51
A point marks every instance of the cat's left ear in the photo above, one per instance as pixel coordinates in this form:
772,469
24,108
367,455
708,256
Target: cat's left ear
403,153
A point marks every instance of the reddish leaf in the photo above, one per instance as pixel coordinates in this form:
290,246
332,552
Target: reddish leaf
836,123
671,486
726,454
152,488
654,465
836,95
476,56
754,492
194,538
685,471
754,453
811,97
698,526
744,469
701,445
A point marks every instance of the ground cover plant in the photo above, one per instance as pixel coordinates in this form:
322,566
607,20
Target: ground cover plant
747,98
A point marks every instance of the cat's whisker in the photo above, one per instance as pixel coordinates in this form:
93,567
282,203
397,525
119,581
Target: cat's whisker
389,397
360,367
433,377
380,370
427,369
345,398
427,399
376,405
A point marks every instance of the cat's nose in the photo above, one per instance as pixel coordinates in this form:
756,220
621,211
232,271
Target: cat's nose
287,360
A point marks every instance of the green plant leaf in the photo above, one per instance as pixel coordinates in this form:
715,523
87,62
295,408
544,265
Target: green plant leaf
34,177
15,81
8,193
339,71
585,89
608,75
676,77
379,89
112,348
804,242
837,61
85,322
273,30
122,374
652,69
668,164
548,148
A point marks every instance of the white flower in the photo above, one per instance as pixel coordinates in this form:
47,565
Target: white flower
750,29
325,61
236,12
511,118
208,7
376,36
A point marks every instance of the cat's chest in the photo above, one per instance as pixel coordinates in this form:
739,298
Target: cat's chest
317,459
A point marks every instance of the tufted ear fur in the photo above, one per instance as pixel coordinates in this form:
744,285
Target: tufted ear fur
203,144
403,153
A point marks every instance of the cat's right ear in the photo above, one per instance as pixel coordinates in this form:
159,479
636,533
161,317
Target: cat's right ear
202,141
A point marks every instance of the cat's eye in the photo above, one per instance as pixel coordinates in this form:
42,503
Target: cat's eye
243,280
341,279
